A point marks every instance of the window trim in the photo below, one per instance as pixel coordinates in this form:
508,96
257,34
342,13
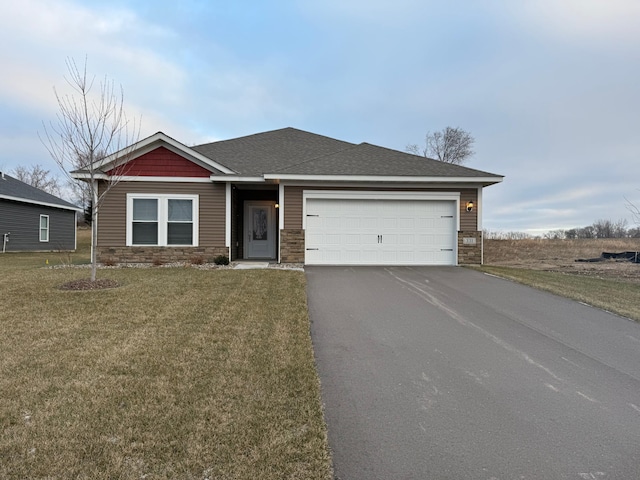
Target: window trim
163,217
46,230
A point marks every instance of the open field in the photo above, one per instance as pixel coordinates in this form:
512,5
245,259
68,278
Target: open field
550,265
178,373
560,256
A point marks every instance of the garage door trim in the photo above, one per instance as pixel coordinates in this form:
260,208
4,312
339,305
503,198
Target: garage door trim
452,198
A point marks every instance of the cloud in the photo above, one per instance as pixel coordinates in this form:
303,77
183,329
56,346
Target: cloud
593,22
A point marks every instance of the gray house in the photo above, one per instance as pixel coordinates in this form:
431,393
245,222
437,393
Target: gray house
33,220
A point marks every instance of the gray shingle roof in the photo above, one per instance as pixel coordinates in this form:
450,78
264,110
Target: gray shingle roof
270,152
370,160
12,187
290,151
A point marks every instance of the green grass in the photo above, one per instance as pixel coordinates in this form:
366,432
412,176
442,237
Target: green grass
179,373
615,296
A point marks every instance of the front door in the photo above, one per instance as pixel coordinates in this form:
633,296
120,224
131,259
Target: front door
259,230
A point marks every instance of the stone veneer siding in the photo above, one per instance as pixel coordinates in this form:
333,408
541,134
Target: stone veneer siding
470,254
292,245
158,254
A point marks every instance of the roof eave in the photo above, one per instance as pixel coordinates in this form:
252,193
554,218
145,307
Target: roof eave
44,204
485,181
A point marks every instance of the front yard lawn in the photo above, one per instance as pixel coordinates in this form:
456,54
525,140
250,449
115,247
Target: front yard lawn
178,373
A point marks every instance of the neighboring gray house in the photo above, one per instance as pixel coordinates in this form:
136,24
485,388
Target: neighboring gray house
33,220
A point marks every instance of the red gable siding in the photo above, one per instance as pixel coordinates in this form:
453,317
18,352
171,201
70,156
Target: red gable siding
162,162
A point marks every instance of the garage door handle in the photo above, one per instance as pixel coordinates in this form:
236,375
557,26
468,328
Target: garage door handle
313,249
379,238
308,215
446,249
446,216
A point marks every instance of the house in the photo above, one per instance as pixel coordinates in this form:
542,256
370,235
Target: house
288,196
33,220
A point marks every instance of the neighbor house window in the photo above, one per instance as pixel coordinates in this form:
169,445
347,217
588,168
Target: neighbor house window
162,220
44,228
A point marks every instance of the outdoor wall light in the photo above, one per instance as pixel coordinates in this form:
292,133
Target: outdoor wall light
469,205
277,205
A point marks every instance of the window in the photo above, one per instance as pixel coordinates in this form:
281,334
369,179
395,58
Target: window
162,220
44,228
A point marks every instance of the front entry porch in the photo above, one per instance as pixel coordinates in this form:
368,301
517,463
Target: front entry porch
254,222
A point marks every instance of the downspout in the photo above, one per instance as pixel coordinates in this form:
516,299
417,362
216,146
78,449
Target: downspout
5,239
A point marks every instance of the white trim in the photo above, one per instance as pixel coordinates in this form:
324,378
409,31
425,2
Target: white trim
34,202
280,217
162,217
234,178
227,215
479,210
147,144
141,178
40,229
384,179
479,225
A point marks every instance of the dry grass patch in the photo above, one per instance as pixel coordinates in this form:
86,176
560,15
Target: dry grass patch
550,265
619,297
179,373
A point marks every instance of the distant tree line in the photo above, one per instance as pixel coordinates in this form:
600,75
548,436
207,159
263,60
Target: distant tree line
599,229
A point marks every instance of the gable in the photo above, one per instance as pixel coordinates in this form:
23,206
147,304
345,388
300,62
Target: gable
162,162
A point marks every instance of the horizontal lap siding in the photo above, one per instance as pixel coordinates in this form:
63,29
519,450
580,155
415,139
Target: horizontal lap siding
22,221
292,207
468,220
112,215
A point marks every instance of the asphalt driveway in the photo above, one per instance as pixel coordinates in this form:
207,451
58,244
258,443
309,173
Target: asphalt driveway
447,373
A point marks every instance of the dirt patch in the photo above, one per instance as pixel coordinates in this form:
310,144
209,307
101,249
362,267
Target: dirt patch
87,284
561,256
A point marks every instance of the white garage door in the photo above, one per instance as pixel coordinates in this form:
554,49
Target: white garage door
380,232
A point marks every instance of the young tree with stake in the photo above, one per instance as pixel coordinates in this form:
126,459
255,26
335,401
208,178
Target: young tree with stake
90,126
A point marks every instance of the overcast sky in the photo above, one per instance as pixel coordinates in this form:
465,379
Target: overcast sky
550,89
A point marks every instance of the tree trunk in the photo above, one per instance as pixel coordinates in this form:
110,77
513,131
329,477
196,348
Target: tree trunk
94,233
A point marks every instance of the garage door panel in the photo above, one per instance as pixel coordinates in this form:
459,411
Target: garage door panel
380,232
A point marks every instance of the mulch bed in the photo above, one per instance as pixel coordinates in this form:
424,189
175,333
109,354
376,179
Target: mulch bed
87,284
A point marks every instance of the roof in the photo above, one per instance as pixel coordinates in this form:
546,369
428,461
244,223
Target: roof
270,152
13,189
290,153
366,159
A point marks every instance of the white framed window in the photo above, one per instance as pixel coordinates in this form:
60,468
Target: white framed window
162,219
44,228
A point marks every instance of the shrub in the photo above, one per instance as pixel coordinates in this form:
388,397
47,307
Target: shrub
221,260
109,262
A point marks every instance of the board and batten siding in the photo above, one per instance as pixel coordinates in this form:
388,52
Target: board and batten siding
293,202
22,221
112,216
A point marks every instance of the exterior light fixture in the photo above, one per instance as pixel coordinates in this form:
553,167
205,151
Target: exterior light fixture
469,205
277,205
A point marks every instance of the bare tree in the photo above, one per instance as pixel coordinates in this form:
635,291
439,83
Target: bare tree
451,145
634,209
38,177
89,127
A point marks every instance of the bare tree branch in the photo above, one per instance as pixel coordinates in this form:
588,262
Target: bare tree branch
451,145
89,127
38,177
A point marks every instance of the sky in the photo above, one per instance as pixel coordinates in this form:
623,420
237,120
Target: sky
550,89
